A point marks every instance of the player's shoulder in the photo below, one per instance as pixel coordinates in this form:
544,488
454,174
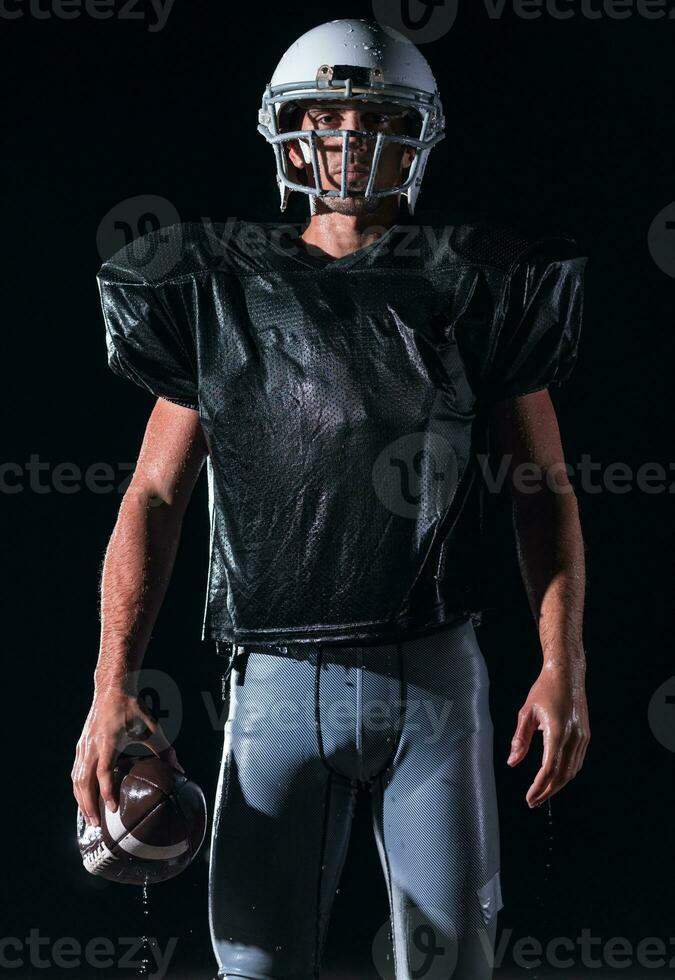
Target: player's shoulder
180,251
485,241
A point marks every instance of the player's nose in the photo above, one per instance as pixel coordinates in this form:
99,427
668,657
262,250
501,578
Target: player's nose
359,144
353,121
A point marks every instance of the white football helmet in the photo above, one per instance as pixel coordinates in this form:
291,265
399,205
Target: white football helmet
357,60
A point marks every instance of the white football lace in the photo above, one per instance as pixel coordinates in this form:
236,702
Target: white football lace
98,859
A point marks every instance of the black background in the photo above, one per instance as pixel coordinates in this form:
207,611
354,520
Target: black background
567,123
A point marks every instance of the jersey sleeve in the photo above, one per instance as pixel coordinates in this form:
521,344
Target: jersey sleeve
538,324
149,338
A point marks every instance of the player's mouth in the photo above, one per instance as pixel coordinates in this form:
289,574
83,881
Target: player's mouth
353,173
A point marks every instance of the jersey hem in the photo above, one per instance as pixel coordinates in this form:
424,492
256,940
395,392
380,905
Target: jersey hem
374,633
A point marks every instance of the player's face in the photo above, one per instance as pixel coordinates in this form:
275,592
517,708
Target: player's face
371,117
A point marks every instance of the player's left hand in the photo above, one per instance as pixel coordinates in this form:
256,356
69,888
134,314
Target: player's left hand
556,705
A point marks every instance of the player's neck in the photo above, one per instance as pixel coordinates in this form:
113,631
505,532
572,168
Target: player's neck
339,234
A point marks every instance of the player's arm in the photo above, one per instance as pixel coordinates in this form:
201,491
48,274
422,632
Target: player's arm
136,571
525,434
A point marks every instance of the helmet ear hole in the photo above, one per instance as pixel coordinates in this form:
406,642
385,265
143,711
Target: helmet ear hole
412,124
290,118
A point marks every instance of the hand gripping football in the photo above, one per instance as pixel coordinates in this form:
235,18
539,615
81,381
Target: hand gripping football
156,831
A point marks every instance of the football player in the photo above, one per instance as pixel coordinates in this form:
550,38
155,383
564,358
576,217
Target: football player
341,382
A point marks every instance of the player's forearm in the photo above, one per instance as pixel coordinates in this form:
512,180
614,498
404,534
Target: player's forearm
551,556
136,572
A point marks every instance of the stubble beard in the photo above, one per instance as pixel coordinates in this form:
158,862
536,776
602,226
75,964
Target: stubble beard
352,205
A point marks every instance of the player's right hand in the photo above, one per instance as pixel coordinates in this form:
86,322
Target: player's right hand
115,720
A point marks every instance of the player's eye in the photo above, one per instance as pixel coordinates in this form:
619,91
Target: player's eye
378,120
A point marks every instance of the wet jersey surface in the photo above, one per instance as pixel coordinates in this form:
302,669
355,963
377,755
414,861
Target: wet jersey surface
344,404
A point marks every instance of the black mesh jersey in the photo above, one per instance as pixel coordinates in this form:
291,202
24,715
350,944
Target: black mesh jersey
345,407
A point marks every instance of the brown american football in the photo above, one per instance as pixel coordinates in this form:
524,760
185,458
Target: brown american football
157,829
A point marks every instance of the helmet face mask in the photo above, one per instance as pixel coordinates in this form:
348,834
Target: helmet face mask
387,71
327,152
